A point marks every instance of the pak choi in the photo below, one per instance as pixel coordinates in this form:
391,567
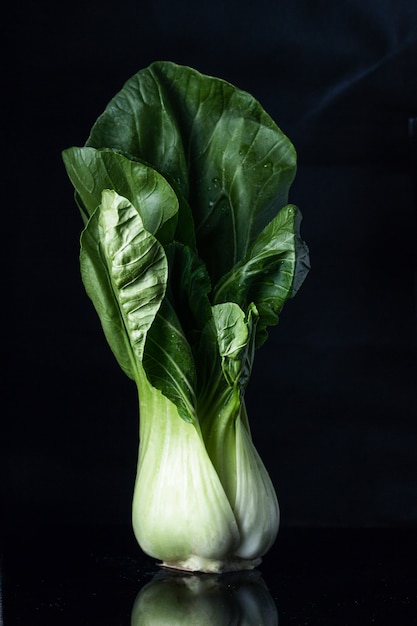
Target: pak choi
189,252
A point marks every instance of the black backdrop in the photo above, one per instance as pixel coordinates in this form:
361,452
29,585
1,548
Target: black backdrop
332,400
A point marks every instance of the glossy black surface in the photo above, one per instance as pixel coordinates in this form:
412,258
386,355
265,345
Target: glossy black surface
92,576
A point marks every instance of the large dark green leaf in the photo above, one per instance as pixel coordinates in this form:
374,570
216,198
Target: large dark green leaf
124,269
271,272
230,160
92,170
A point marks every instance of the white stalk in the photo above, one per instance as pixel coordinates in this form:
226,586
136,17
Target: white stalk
256,505
181,514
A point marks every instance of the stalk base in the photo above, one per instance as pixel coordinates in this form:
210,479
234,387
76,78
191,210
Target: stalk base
212,566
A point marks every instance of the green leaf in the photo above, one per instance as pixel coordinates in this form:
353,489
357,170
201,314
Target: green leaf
97,283
171,359
271,272
184,232
235,334
124,269
169,363
92,170
230,160
188,288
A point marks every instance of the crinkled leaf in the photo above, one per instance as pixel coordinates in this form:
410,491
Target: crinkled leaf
271,272
97,282
92,170
230,160
124,269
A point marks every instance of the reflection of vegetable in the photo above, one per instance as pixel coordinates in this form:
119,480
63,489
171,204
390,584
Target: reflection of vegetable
189,253
238,598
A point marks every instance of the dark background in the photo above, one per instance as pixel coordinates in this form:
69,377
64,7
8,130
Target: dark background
332,401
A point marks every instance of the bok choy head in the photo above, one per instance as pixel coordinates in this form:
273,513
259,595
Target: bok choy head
189,252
